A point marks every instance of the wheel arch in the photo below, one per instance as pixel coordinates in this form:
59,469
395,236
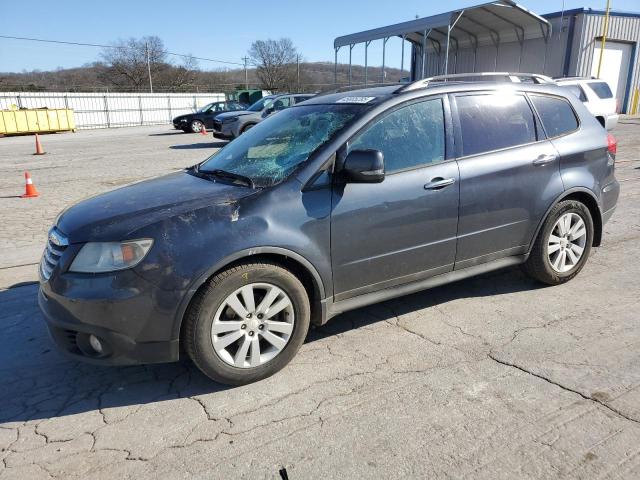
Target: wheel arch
288,259
589,199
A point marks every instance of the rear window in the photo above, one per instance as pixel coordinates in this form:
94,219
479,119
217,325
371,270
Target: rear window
601,88
577,91
556,114
492,122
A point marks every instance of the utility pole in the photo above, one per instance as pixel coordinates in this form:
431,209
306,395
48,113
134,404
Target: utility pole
246,74
298,72
146,48
605,31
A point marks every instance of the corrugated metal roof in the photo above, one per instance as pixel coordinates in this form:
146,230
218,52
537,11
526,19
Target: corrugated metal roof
487,20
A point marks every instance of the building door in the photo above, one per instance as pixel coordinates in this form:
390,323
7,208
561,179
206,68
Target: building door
615,67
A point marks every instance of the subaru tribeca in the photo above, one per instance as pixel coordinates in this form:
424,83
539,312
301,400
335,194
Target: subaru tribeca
346,200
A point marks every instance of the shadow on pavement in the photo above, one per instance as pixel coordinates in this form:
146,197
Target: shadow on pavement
164,134
198,145
38,382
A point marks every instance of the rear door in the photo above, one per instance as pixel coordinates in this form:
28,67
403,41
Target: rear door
403,229
509,175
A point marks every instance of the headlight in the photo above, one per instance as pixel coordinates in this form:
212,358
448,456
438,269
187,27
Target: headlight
183,119
230,120
95,257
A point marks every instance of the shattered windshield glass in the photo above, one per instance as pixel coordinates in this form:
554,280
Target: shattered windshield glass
271,151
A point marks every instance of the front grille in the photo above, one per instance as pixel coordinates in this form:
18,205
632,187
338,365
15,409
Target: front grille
56,245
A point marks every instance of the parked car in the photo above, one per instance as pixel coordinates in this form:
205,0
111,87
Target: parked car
193,122
596,96
345,200
233,124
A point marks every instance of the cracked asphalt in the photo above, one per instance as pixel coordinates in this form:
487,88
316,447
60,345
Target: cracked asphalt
494,377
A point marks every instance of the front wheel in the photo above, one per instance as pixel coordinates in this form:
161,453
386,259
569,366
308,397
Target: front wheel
563,244
247,323
196,126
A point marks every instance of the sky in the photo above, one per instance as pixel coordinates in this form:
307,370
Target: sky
219,29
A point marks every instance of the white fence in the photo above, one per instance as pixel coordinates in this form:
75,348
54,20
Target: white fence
107,110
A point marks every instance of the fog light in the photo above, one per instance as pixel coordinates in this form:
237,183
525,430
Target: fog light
95,343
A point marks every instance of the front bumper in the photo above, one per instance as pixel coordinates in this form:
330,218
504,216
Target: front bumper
223,131
134,321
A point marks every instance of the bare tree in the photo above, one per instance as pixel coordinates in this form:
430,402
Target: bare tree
275,62
126,61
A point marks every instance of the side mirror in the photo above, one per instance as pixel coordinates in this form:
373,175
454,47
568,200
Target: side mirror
267,112
364,166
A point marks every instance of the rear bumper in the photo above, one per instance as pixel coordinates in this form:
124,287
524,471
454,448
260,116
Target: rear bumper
611,121
610,194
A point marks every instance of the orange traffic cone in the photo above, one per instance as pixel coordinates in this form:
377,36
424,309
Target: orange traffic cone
29,189
204,130
39,150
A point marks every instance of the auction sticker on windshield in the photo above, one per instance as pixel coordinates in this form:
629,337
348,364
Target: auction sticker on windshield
355,99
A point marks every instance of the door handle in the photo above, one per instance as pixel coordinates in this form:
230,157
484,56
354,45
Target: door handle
544,159
439,183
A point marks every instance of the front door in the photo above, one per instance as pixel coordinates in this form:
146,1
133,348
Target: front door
403,229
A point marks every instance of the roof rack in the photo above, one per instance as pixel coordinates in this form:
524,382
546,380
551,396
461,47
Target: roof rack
474,77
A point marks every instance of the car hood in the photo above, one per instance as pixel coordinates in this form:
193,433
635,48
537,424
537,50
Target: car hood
187,116
239,113
113,216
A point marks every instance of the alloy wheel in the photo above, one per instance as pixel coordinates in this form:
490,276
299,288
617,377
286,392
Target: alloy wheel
567,242
253,325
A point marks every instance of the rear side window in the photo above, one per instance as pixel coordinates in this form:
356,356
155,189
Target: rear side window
300,99
601,88
556,114
408,137
492,122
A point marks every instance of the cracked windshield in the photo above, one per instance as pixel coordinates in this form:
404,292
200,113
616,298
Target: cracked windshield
272,150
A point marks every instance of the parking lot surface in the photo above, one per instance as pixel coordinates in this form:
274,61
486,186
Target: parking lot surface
491,377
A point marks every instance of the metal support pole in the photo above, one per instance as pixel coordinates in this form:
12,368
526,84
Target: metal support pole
350,51
403,37
298,72
335,67
605,31
384,49
450,27
366,61
424,53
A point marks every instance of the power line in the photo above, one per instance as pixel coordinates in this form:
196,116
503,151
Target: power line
98,45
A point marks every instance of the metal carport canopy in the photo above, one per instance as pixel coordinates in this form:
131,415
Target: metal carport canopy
488,23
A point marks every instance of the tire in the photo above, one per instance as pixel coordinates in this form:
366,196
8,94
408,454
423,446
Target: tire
247,127
210,309
196,126
545,263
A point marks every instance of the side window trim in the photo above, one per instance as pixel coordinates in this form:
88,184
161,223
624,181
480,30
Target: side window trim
457,128
448,142
537,114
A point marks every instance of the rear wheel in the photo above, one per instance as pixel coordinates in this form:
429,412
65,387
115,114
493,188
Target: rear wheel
247,323
563,244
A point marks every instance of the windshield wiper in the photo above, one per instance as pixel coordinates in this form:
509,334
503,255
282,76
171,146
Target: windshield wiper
227,175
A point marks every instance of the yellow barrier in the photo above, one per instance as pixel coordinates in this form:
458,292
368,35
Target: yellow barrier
36,121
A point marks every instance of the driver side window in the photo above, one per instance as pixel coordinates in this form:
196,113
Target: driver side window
409,137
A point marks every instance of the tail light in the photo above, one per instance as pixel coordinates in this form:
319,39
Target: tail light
612,144
612,148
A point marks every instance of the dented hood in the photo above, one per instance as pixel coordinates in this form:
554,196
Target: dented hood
116,215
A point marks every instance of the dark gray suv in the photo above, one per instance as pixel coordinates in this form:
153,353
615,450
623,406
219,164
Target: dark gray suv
346,200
